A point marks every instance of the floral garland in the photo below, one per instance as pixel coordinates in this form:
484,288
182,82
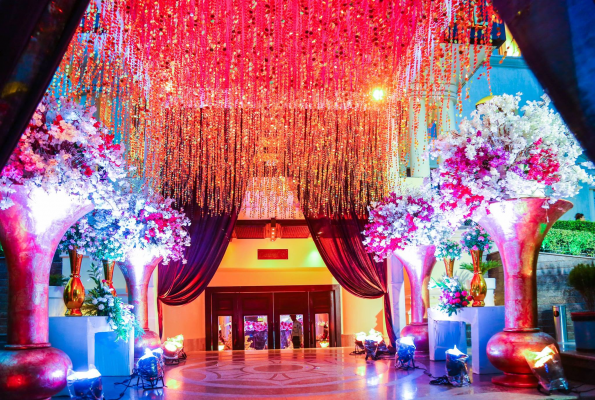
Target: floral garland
80,237
448,249
476,238
64,146
499,155
101,302
453,295
412,217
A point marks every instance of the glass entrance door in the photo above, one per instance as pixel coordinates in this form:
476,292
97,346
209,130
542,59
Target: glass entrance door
321,323
256,332
290,307
260,317
287,324
225,334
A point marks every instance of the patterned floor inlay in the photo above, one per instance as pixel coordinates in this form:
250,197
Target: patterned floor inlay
323,373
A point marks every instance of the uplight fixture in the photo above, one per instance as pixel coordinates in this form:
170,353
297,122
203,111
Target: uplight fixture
404,358
547,368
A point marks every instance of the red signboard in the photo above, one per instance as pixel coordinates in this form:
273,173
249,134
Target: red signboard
273,254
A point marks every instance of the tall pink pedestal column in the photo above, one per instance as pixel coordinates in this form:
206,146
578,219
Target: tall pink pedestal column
518,227
137,271
418,261
30,231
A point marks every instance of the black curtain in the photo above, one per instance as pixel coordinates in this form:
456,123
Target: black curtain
34,35
339,241
557,40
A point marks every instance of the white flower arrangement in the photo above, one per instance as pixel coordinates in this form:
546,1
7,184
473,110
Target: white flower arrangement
414,216
150,223
64,148
500,154
100,301
448,249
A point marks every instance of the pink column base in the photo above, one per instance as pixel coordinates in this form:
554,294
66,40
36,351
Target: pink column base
32,374
506,349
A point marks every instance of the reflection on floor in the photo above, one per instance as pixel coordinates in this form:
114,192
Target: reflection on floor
313,373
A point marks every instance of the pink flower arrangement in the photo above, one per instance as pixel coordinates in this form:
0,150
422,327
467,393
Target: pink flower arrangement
151,222
476,238
64,147
393,222
286,325
81,236
255,326
500,154
453,295
412,217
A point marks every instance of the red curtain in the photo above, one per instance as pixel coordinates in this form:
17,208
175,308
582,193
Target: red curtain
339,242
34,34
180,283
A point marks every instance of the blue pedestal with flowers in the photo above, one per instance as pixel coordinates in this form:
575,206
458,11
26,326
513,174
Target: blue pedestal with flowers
485,322
91,341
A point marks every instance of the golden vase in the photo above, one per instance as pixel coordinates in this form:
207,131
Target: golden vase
74,292
478,288
108,273
449,265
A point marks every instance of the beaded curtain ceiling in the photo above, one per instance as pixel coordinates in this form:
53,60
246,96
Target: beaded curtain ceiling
213,96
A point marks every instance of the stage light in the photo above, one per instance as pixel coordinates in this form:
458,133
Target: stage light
158,352
456,367
547,368
378,94
405,356
85,385
149,370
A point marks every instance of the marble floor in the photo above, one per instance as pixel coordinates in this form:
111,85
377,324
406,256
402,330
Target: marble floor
313,373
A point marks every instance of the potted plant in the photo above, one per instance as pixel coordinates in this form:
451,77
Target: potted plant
582,279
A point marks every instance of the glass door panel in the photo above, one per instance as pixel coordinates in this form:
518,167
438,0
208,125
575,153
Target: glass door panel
225,339
256,332
286,327
321,322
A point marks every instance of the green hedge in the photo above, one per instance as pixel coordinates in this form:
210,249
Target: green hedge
573,242
585,226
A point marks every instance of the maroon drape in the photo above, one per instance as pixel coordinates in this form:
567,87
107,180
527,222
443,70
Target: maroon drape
179,283
34,35
556,38
339,242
